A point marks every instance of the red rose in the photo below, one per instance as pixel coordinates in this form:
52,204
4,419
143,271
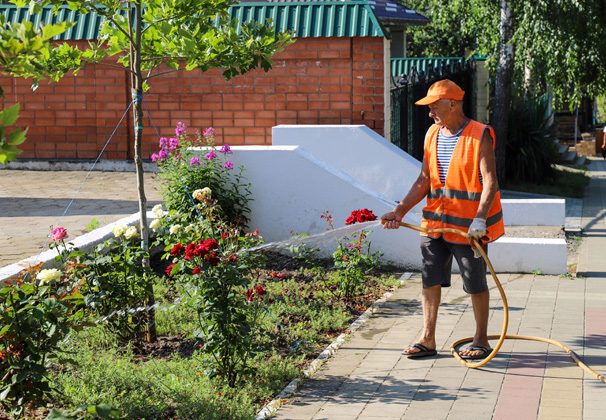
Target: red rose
212,259
360,216
177,250
260,291
169,269
196,270
233,258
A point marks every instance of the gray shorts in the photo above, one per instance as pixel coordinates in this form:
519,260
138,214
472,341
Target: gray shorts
437,264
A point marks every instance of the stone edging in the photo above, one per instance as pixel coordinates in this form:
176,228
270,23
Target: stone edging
270,409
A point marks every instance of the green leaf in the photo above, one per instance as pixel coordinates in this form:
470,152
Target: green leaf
103,410
8,116
17,136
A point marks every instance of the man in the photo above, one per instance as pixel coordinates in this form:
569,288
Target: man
458,176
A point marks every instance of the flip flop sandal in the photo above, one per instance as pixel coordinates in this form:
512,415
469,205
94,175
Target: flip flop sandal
485,352
423,352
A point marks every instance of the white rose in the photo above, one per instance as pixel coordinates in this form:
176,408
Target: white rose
154,224
119,230
189,228
131,232
156,208
200,194
48,275
174,228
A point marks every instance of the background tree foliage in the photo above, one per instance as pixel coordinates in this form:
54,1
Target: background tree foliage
560,41
554,46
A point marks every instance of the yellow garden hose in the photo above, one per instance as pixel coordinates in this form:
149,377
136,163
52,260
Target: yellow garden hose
503,336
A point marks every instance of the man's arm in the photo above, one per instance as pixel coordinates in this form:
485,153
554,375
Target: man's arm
488,169
417,192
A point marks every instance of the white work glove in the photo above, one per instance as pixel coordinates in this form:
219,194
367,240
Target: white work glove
477,230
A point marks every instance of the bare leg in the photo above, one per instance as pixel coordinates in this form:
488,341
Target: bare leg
481,309
431,302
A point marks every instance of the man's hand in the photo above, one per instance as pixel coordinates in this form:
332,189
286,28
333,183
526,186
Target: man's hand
477,229
391,220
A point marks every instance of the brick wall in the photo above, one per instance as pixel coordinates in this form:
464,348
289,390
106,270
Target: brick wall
314,81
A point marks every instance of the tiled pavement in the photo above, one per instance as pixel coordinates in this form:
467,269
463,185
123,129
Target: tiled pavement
33,201
368,378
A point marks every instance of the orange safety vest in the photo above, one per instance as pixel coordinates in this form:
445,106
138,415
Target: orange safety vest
455,204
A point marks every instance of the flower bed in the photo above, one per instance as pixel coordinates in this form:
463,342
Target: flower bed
233,326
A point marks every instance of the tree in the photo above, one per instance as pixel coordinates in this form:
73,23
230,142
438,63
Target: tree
557,45
156,37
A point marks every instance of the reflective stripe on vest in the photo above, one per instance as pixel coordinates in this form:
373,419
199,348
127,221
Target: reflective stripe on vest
460,221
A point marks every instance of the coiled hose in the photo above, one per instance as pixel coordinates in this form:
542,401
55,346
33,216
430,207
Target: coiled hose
503,336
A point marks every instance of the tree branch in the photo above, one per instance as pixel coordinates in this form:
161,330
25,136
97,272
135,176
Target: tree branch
160,74
160,58
111,19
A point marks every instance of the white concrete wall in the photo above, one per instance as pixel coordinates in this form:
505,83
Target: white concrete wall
291,188
359,152
534,212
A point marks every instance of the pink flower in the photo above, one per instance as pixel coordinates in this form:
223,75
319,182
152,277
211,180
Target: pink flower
163,142
173,143
228,165
194,161
180,129
209,132
155,157
226,149
210,155
59,234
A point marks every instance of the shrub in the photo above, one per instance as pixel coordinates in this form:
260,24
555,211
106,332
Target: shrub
183,173
38,310
530,150
116,281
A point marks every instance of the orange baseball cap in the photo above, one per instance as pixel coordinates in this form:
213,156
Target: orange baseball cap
443,89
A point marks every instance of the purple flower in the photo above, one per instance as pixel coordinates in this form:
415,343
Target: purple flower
194,161
209,132
226,149
163,142
173,143
154,157
162,155
180,129
228,165
210,155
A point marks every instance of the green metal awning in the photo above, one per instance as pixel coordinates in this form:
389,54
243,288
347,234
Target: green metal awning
304,19
315,19
403,66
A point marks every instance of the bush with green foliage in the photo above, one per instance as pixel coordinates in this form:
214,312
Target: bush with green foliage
115,281
38,310
531,151
183,173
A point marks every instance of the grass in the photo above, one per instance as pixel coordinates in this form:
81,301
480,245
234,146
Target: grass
174,386
571,182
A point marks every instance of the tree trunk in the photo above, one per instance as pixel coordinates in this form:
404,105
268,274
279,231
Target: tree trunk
500,114
137,92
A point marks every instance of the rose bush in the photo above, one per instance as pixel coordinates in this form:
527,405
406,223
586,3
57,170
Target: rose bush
38,310
353,258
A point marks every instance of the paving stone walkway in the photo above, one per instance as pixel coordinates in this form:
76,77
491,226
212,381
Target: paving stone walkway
33,201
368,378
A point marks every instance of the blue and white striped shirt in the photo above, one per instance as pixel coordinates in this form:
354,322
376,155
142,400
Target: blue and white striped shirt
445,148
